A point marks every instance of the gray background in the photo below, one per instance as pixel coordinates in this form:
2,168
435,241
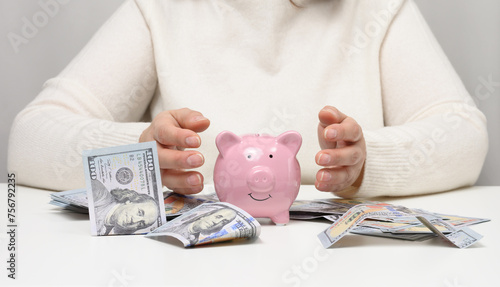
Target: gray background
469,32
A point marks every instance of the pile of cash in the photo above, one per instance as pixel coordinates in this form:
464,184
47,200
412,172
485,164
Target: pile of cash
404,224
394,219
74,200
373,218
124,195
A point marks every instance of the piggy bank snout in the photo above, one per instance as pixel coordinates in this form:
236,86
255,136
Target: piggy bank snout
260,179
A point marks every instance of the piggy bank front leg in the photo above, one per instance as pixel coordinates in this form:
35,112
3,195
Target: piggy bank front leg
281,218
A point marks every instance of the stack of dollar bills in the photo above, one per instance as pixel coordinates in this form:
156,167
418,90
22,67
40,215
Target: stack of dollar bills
404,224
404,227
124,196
74,200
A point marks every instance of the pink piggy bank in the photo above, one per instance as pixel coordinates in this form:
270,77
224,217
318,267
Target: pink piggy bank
258,173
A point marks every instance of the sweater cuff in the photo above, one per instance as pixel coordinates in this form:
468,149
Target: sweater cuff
387,166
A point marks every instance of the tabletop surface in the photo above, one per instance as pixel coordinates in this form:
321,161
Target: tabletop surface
54,247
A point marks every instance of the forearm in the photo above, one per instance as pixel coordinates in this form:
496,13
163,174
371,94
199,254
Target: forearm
46,144
443,150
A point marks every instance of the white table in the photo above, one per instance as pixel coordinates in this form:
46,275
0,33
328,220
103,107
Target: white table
55,248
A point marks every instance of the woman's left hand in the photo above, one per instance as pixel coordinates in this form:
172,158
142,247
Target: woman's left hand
343,152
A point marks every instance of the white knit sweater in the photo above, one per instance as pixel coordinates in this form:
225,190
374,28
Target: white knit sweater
261,67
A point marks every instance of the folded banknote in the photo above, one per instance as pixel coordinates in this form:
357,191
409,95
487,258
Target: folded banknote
210,223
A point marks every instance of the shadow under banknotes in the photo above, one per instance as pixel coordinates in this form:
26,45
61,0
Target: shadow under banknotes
74,215
178,243
354,240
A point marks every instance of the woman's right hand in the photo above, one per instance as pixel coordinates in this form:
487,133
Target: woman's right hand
174,131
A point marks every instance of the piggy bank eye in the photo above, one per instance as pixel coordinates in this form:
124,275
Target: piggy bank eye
270,156
252,153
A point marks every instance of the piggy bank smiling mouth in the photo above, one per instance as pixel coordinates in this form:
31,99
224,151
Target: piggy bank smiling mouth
259,199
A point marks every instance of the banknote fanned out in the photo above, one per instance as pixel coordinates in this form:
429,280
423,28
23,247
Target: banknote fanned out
74,200
124,189
354,216
460,237
210,223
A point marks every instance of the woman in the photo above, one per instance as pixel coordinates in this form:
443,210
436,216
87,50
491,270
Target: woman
394,117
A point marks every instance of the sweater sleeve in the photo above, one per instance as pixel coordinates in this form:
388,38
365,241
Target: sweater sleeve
98,100
434,138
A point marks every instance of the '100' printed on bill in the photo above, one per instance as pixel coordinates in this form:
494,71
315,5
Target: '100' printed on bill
124,189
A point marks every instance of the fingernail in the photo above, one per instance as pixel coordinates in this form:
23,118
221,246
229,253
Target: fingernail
330,110
322,186
195,159
198,118
194,179
193,141
324,159
330,134
325,176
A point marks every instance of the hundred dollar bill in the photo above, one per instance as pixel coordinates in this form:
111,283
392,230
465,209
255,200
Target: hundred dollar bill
210,223
175,204
457,220
385,226
357,214
70,207
460,237
75,197
124,189
364,230
325,206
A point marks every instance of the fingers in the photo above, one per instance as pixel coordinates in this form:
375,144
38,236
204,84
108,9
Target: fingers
178,128
175,131
336,179
168,133
347,130
176,159
184,182
335,129
344,167
189,119
346,156
330,115
343,151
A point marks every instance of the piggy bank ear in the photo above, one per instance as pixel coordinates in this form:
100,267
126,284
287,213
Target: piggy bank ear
290,139
225,140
